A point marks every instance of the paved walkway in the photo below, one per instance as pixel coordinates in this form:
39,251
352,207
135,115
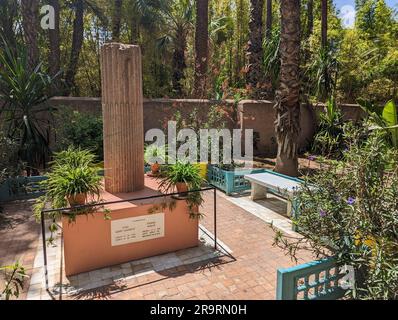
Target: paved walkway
19,237
249,274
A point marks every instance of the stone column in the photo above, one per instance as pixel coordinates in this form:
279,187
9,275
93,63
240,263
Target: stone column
122,107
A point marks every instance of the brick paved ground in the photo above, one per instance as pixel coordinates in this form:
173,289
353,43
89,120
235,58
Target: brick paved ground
19,236
250,274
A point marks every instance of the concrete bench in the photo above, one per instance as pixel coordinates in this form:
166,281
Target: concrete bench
283,186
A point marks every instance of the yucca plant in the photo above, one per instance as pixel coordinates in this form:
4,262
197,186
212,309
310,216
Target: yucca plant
24,93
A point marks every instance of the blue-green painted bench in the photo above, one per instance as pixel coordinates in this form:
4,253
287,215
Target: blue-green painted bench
317,280
230,181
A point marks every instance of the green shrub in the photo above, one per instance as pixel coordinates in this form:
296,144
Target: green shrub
81,130
349,210
329,138
9,163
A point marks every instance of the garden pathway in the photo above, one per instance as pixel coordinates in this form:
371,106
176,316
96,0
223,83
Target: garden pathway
19,238
249,272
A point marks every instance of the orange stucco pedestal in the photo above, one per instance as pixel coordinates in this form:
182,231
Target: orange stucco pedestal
88,240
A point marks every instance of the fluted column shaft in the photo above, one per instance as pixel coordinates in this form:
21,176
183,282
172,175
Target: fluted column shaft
122,106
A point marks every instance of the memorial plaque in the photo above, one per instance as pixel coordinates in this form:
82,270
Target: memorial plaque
137,229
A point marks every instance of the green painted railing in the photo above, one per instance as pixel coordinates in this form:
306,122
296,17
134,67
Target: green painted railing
21,188
230,181
317,280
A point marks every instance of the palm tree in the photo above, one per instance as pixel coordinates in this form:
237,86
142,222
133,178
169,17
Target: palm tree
179,22
77,43
255,47
146,14
79,6
324,5
54,37
30,23
268,29
201,46
117,17
288,95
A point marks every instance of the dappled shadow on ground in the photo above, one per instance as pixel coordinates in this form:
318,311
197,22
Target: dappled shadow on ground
105,292
12,215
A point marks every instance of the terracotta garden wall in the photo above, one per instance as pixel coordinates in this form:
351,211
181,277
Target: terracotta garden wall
257,115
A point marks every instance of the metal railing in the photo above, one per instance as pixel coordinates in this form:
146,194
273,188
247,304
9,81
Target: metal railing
48,212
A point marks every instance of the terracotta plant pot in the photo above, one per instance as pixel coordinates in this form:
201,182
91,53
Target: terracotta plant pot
155,168
182,188
77,200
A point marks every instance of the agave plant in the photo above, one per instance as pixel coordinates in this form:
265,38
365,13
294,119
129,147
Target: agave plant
24,94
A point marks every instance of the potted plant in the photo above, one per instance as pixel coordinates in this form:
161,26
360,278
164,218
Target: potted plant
73,179
184,177
153,155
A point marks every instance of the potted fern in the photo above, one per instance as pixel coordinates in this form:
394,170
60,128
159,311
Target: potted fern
73,180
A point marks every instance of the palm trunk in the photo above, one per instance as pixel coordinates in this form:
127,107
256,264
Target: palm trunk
179,63
116,21
255,47
135,32
30,22
201,46
8,11
54,37
288,95
269,19
310,9
77,43
324,23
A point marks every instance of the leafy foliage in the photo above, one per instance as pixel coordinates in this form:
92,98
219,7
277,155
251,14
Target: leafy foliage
73,173
9,164
349,210
329,139
184,173
81,130
14,281
23,94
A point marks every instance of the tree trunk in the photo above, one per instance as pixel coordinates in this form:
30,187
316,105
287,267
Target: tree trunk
77,43
288,95
179,63
201,47
324,31
310,9
255,48
116,21
8,11
54,37
135,32
269,19
30,23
